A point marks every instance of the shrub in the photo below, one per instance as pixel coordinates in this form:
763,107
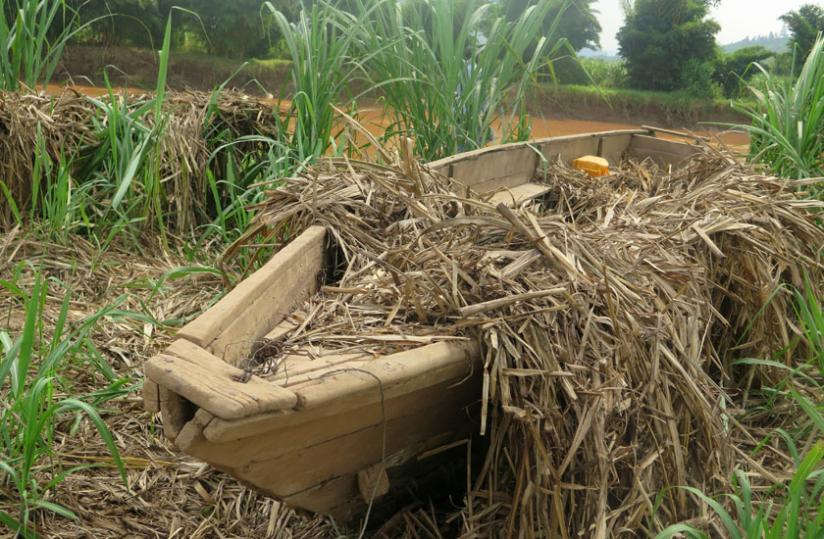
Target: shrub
787,128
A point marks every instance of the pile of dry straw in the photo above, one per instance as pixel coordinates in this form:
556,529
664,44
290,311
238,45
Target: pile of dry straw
624,301
77,127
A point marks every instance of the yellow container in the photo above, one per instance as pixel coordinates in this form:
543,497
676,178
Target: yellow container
592,165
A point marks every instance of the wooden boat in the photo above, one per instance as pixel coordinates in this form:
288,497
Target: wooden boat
341,430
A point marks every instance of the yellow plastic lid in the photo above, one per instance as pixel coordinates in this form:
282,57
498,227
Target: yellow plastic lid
592,165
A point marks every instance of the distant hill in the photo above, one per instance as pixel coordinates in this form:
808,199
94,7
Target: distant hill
773,42
599,55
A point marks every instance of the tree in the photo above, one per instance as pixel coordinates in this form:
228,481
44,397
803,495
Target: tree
235,29
735,68
578,20
804,25
664,41
137,23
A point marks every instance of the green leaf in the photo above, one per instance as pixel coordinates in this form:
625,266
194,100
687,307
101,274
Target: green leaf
679,529
56,509
102,429
726,518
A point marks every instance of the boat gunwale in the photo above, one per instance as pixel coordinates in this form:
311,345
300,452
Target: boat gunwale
202,331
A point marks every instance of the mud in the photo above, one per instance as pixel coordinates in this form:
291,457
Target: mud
542,126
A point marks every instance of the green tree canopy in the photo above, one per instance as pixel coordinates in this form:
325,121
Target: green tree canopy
235,29
136,23
735,68
804,25
578,24
662,40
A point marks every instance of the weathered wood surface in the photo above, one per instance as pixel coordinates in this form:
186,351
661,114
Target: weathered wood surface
208,382
309,429
373,482
661,151
458,362
295,370
322,453
233,327
516,196
406,436
151,396
388,377
509,165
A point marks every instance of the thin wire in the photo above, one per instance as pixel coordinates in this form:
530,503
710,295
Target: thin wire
373,495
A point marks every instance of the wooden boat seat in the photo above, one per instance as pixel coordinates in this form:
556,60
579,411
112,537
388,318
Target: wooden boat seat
515,196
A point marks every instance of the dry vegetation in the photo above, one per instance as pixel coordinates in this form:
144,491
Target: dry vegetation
610,320
107,145
168,494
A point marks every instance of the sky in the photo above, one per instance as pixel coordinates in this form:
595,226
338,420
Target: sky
738,19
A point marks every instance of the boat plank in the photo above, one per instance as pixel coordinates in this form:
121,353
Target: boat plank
151,396
233,326
663,152
225,431
389,377
566,149
337,497
315,430
489,172
203,379
615,147
516,196
288,474
293,370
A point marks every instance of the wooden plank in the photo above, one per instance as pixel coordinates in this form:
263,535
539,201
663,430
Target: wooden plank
291,473
516,196
206,381
566,149
312,429
191,434
489,172
236,324
614,147
337,497
294,370
389,377
151,396
284,328
373,482
673,132
663,152
175,412
228,430
296,471
445,165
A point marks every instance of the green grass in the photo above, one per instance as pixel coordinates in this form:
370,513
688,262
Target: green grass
448,71
675,108
787,119
32,405
29,54
796,510
320,46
